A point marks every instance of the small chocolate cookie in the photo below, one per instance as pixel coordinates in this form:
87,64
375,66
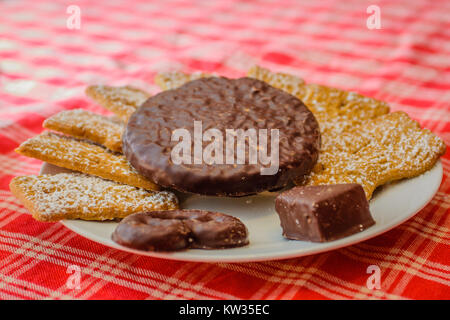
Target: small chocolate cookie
180,229
225,105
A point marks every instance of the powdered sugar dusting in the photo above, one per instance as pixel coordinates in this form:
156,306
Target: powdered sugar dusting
123,101
83,156
125,96
76,195
336,110
87,125
390,147
172,80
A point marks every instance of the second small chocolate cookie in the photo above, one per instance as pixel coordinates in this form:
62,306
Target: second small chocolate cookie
218,136
173,230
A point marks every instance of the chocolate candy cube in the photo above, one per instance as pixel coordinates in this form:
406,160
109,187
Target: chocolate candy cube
323,213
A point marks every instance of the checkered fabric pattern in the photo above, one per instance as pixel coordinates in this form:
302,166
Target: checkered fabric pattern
45,66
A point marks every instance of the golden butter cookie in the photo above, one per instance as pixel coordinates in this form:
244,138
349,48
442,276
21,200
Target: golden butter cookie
122,101
380,150
83,156
80,196
336,110
84,124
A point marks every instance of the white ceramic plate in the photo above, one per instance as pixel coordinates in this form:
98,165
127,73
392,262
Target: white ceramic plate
390,206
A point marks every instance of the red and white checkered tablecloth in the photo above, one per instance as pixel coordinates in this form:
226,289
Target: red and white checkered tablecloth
44,68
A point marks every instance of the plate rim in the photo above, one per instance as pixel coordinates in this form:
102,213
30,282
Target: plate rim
257,257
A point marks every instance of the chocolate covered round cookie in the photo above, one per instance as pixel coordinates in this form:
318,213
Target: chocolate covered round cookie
172,230
219,136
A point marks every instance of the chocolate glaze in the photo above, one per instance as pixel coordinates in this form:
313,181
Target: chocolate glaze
180,229
222,104
323,213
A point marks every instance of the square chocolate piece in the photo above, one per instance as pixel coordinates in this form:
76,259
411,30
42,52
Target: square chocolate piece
323,213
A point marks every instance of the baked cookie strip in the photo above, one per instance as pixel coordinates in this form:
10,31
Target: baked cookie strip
287,82
122,101
84,157
87,125
80,196
172,80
